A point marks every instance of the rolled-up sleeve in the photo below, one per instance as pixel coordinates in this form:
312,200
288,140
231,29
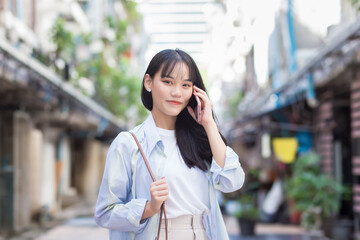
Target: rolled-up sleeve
232,176
115,208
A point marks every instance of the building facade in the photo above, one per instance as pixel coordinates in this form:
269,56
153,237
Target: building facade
53,138
311,97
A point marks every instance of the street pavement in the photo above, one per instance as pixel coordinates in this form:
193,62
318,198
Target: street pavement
85,228
77,223
264,231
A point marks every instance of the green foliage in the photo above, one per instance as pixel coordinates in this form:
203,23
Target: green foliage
120,43
247,207
63,39
252,184
355,3
116,88
306,163
246,199
234,101
310,188
130,8
311,218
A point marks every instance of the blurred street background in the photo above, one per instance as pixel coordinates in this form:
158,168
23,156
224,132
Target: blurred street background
282,76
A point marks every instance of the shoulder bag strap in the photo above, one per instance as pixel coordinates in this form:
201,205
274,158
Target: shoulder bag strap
162,209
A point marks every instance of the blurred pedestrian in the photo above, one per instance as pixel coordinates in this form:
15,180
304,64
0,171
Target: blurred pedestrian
186,153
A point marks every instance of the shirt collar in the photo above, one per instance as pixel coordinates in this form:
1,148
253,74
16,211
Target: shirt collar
151,134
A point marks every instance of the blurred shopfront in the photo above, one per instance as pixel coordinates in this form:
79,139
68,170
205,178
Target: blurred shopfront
53,142
317,109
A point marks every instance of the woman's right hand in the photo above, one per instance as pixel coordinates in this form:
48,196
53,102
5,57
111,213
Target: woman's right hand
159,193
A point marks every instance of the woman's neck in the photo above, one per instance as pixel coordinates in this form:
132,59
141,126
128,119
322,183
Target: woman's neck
163,121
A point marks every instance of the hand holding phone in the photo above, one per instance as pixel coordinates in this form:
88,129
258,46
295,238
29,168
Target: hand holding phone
198,109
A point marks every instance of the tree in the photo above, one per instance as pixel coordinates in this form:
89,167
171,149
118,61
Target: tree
116,88
355,3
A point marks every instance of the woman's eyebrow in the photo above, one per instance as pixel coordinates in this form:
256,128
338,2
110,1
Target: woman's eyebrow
167,76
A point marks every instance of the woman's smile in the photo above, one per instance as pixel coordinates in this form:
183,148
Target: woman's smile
173,102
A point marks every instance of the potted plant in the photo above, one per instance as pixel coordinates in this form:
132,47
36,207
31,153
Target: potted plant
247,214
315,194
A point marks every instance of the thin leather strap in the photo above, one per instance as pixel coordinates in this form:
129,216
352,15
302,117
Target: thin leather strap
162,209
143,155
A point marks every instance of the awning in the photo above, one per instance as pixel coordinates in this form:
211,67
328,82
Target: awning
27,84
341,51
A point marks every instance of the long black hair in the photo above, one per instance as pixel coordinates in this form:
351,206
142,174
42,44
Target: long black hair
190,136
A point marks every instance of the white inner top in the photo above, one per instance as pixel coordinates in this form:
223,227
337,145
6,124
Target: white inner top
188,187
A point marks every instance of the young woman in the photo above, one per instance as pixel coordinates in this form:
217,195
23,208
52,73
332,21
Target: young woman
188,156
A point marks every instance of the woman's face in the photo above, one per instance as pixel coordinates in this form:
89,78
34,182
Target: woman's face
171,93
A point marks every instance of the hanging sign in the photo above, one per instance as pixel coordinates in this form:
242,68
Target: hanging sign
285,149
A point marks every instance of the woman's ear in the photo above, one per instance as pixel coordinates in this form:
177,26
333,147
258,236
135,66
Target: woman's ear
147,82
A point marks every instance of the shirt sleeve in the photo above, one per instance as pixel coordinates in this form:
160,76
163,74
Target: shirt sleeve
232,176
115,208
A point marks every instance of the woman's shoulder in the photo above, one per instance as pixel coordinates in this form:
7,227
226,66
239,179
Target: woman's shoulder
125,140
123,137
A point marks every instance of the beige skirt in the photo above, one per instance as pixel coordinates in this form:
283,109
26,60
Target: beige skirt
184,227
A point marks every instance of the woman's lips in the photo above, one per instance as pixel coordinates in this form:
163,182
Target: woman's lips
174,102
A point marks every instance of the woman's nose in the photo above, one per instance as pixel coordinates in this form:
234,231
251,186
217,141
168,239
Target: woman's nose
176,91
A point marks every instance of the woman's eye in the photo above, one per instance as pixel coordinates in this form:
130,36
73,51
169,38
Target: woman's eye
167,81
187,85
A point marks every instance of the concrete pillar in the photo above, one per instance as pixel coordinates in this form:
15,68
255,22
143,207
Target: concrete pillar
92,153
21,164
35,169
89,167
65,158
102,160
48,188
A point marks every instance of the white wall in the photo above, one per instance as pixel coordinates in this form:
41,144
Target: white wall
65,158
21,164
92,153
48,188
36,159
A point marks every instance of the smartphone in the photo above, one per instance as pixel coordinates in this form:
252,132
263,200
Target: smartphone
198,109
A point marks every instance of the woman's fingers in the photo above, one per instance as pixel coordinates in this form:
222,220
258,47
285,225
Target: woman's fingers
206,113
202,95
200,92
159,188
162,193
161,198
198,89
159,193
159,183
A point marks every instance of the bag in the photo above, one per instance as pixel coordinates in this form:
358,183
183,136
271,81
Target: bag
162,209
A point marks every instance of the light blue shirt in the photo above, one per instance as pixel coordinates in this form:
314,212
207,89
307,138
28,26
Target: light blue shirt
125,187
